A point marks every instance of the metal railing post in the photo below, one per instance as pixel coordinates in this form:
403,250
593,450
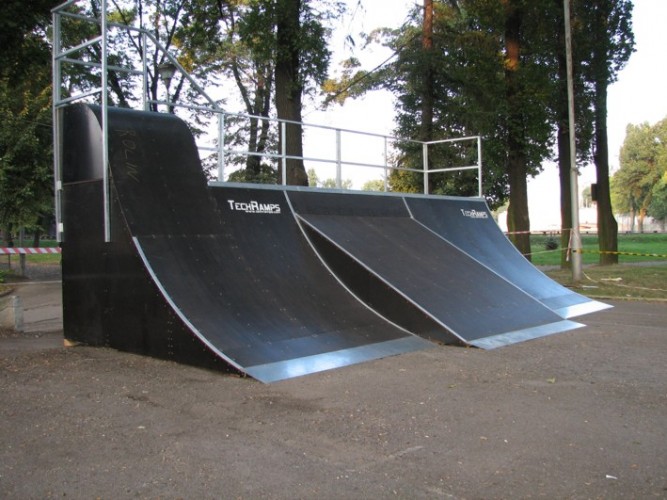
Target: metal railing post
386,166
283,151
425,158
56,89
339,168
479,166
105,126
144,69
221,147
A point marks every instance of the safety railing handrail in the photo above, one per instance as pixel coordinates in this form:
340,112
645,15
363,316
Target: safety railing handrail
66,56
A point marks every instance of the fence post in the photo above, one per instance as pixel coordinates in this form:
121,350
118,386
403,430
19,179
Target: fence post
425,158
479,166
386,164
339,169
283,151
221,147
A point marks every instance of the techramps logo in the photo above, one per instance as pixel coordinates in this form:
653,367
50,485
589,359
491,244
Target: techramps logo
254,207
474,214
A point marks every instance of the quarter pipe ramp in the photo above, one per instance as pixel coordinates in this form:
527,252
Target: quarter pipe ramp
274,282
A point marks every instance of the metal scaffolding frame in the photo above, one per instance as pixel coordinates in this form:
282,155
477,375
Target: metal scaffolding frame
73,56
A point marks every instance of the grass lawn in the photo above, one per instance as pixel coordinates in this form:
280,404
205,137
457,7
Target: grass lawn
622,281
645,244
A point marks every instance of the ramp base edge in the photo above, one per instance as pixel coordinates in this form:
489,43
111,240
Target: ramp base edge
526,334
282,370
582,309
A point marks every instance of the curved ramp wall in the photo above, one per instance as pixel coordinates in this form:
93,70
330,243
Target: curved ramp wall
179,281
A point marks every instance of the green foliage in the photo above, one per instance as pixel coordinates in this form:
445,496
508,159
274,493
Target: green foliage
648,245
374,185
25,108
314,181
331,184
23,43
551,243
266,175
643,166
658,206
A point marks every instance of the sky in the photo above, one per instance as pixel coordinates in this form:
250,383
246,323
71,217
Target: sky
638,96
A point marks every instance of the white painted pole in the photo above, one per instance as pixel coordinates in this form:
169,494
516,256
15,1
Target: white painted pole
574,172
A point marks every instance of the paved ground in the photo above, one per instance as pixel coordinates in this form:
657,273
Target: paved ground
575,415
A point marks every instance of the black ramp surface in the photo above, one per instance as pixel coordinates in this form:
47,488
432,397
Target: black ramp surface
467,224
238,271
465,297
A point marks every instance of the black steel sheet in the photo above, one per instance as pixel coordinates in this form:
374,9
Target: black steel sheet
468,224
466,298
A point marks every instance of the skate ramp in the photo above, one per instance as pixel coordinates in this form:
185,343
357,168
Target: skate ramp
468,225
470,302
247,289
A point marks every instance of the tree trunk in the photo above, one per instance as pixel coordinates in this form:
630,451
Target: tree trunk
641,215
607,225
518,222
289,88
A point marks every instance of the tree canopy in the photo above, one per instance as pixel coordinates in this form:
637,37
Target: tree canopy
639,187
462,67
497,68
26,184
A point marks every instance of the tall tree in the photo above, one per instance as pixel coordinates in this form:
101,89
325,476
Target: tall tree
25,106
609,31
235,40
275,51
518,222
289,87
643,162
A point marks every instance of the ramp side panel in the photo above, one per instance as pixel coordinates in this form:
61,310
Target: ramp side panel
468,224
463,296
108,297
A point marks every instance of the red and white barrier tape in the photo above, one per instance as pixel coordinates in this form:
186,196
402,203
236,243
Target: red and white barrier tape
27,250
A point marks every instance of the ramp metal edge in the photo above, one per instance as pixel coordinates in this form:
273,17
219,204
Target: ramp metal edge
582,309
514,337
281,370
177,310
564,312
349,192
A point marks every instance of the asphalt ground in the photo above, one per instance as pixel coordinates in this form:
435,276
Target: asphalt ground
581,414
